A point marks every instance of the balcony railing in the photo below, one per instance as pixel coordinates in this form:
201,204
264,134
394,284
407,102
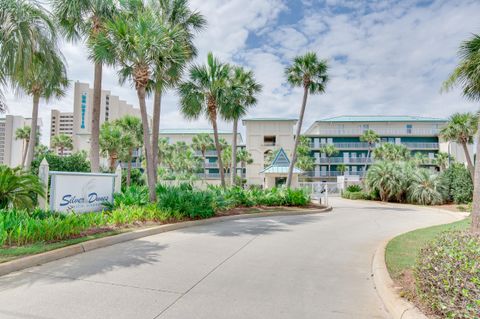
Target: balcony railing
379,131
344,160
362,145
332,173
210,165
422,146
217,175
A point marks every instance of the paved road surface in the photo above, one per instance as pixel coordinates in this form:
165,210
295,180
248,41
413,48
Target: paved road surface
295,267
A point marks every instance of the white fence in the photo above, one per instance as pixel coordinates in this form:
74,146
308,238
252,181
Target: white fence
321,191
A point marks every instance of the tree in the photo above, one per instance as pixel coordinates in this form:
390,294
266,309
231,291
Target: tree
305,162
62,141
466,75
426,188
46,78
370,137
329,150
205,93
391,152
342,168
177,15
163,150
114,141
243,95
19,188
310,73
461,128
86,20
244,157
23,133
443,160
130,125
202,143
133,41
25,30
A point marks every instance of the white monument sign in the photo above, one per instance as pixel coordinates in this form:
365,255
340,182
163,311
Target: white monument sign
80,192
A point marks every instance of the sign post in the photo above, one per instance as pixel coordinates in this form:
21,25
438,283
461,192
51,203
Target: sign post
43,175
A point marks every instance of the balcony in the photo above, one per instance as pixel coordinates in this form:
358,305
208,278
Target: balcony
422,146
344,160
332,173
365,146
379,131
211,165
217,175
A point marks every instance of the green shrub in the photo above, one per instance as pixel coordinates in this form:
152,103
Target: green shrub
448,275
137,178
355,195
133,195
426,188
354,188
18,188
458,183
77,162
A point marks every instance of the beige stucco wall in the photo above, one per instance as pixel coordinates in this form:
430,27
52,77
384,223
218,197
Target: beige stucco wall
255,132
270,180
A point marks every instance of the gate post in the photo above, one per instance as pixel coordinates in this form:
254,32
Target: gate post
43,171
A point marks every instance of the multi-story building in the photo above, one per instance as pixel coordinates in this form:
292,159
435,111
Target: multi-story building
111,108
11,149
61,123
418,134
211,168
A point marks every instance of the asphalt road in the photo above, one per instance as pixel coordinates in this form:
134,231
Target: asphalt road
295,267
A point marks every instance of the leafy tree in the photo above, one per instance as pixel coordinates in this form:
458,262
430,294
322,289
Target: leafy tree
114,141
26,30
62,141
243,95
443,160
77,162
458,183
85,20
370,137
329,150
342,168
132,126
163,150
461,128
46,78
205,93
419,159
391,152
466,76
19,188
390,179
310,73
23,133
304,161
202,142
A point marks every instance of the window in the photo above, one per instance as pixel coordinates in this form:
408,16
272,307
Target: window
269,140
409,128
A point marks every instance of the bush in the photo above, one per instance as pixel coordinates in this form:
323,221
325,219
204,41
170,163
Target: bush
459,184
426,188
133,195
448,275
77,162
356,195
18,188
354,188
136,177
254,196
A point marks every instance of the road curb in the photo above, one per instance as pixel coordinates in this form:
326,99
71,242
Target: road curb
42,258
396,306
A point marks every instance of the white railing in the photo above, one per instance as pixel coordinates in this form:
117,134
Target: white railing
362,145
425,146
380,131
210,165
332,173
344,160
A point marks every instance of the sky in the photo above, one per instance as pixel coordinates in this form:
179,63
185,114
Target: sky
387,57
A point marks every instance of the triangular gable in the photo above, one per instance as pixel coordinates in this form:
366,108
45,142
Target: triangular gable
281,160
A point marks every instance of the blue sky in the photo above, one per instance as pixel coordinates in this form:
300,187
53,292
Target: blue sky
385,57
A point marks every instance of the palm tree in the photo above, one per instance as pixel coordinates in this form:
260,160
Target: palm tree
202,143
391,152
310,73
133,41
18,188
243,92
163,150
130,125
461,128
25,29
329,150
62,141
370,137
244,157
426,188
466,75
442,160
23,133
205,93
86,20
114,141
177,15
46,78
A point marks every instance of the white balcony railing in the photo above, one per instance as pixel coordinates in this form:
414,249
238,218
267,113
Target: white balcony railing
380,131
344,160
362,145
332,173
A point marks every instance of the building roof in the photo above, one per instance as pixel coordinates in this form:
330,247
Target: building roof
280,164
382,118
270,119
192,131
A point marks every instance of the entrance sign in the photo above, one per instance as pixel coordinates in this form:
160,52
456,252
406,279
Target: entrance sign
80,192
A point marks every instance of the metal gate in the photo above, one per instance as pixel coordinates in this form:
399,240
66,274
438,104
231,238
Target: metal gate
321,190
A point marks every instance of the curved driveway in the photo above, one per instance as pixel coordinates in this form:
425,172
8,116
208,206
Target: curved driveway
295,267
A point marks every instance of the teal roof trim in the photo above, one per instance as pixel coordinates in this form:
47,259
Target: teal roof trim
382,118
280,164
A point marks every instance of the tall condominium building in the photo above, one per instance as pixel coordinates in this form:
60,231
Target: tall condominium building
418,134
211,168
112,108
61,123
12,149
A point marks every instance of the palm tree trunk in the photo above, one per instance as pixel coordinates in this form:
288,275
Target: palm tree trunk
233,173
469,160
33,132
204,155
146,142
297,137
129,167
24,152
157,106
476,190
366,160
95,132
61,151
219,152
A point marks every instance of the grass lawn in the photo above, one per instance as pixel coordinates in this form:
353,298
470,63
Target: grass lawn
402,251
